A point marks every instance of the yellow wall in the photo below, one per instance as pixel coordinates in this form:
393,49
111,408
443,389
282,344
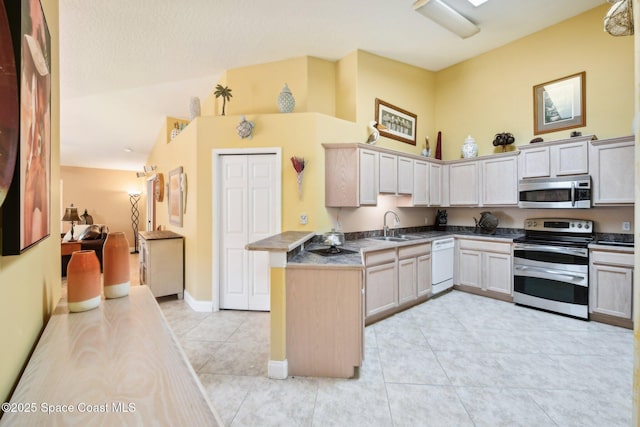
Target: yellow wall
30,283
104,193
255,88
493,92
410,88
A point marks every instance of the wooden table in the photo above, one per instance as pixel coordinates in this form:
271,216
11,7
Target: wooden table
67,248
118,364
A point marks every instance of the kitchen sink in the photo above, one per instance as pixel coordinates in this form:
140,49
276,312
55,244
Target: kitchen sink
391,238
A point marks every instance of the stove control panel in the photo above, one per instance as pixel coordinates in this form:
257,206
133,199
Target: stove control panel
562,225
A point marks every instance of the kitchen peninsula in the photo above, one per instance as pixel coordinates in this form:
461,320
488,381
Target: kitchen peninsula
319,303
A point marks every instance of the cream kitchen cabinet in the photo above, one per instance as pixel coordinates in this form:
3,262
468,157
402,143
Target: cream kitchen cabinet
484,265
396,174
325,320
611,165
556,158
464,183
162,262
611,286
351,175
412,274
381,281
437,179
500,180
405,175
420,183
396,278
388,181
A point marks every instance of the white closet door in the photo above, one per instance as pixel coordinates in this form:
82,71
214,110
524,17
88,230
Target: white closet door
248,212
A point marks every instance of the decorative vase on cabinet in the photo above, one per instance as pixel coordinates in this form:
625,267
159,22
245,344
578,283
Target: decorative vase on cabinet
84,290
469,148
286,103
117,279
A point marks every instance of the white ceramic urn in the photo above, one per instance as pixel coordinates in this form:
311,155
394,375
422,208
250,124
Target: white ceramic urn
469,148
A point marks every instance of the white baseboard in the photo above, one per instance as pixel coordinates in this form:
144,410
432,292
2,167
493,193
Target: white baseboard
278,369
201,306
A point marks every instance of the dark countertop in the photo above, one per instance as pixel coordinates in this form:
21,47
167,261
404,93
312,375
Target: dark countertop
368,244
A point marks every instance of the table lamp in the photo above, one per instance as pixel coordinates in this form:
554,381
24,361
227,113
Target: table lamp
71,214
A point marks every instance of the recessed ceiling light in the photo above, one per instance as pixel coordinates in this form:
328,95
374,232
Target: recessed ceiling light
477,3
127,150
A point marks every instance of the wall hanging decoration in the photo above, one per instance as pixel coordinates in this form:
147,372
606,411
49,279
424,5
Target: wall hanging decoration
286,102
158,187
194,108
469,148
115,258
619,19
175,197
559,104
225,93
299,164
9,107
245,128
183,188
503,139
84,290
26,208
400,124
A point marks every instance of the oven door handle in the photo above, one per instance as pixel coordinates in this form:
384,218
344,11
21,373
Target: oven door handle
556,249
573,194
550,274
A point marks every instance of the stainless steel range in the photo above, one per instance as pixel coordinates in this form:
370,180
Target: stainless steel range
551,265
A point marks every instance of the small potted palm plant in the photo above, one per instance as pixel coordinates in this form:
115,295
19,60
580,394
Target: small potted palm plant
223,92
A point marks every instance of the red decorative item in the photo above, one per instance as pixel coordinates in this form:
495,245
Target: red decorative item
84,290
439,146
116,265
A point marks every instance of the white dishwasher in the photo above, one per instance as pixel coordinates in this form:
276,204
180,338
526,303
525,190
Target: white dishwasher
441,265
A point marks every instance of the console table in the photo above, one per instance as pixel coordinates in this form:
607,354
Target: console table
118,364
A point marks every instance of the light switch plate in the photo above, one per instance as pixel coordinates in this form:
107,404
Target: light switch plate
303,219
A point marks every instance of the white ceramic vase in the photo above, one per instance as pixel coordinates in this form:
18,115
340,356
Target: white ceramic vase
469,148
286,103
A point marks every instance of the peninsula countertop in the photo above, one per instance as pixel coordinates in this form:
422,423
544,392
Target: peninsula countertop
368,244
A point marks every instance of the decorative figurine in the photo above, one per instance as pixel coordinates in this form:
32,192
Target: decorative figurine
245,128
225,93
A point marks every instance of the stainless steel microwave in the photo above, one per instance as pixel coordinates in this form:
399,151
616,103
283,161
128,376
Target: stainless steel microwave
571,192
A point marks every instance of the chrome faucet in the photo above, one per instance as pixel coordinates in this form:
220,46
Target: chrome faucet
385,228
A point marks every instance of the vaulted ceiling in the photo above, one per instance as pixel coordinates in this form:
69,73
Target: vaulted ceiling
125,65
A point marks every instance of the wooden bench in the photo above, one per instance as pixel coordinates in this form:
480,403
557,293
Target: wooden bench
119,364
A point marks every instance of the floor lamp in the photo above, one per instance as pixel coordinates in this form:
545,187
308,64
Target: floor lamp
135,218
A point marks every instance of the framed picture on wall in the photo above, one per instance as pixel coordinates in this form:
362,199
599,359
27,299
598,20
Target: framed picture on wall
400,124
174,187
559,104
27,207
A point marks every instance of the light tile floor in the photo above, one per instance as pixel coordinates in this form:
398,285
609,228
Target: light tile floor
456,360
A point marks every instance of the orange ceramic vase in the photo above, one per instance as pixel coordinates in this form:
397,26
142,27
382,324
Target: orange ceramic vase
84,290
115,258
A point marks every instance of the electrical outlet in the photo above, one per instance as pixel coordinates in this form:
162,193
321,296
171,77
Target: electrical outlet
338,226
303,219
626,226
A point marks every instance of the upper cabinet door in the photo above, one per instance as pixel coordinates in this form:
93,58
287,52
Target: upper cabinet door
500,181
570,159
463,184
368,177
611,165
435,184
535,163
420,183
388,173
405,175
